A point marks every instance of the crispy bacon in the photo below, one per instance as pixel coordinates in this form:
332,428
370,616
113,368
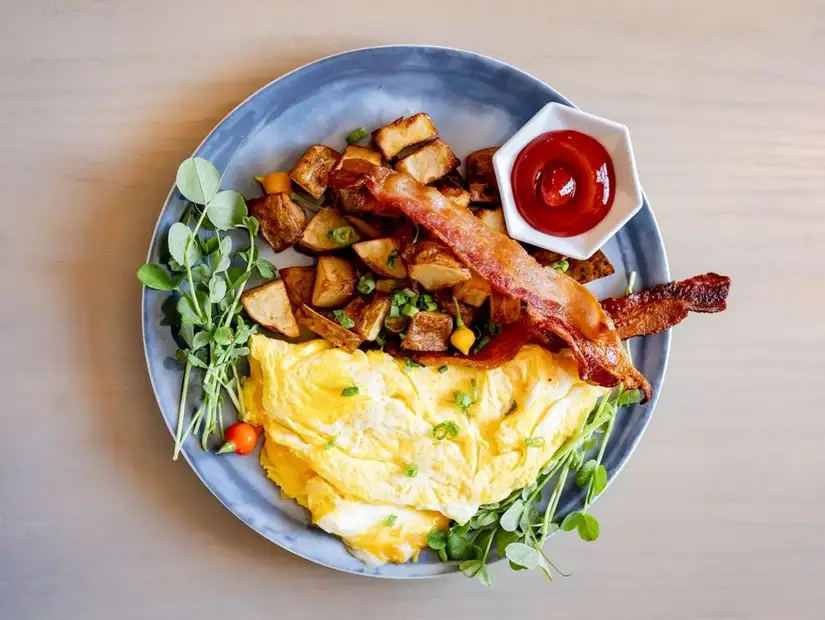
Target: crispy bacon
500,350
658,308
556,304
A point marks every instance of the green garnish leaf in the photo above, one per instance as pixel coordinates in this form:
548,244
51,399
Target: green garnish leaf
409,310
522,555
356,135
588,527
411,470
599,481
343,319
223,336
628,398
350,391
226,210
366,285
502,539
251,223
217,290
155,277
457,546
198,180
201,339
196,361
509,521
267,270
178,239
390,520
186,310
534,442
512,408
445,429
306,203
561,265
442,369
462,400
343,235
391,259
585,472
470,568
394,312
437,539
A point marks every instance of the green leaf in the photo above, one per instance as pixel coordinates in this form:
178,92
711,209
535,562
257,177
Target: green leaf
187,312
177,240
571,521
155,277
267,270
502,539
588,527
510,519
437,539
251,224
470,568
522,555
187,332
529,516
457,546
196,361
630,397
226,245
210,244
485,577
599,480
240,282
585,472
223,335
200,273
484,518
217,290
198,180
442,555
575,459
589,444
226,210
201,339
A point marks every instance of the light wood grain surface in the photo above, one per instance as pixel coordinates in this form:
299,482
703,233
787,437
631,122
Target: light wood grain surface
719,512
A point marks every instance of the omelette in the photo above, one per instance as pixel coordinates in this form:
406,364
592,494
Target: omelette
381,452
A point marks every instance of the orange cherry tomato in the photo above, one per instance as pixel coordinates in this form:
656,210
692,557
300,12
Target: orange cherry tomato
240,439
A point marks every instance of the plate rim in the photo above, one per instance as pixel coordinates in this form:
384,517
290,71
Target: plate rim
666,348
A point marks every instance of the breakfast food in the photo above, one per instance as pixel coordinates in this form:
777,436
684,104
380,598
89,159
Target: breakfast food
455,373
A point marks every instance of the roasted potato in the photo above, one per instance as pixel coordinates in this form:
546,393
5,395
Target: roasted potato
365,226
353,151
358,201
474,292
329,330
504,309
388,285
317,235
481,176
282,221
444,299
452,187
312,170
334,282
428,331
493,218
582,271
429,163
275,183
299,282
268,305
404,132
433,265
383,256
369,314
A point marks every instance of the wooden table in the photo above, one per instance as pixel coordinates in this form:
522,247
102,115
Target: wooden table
719,512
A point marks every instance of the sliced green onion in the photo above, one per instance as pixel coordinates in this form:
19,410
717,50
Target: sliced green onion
356,135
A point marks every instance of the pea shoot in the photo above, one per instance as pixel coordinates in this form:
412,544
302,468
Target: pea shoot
209,276
305,202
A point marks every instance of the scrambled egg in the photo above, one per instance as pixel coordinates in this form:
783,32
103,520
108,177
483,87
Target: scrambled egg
372,467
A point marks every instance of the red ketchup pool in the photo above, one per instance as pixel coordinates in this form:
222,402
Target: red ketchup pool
563,183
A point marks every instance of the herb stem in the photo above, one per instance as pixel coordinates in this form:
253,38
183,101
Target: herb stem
230,312
179,428
553,503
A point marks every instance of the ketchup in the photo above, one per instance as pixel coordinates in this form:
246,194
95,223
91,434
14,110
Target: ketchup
563,183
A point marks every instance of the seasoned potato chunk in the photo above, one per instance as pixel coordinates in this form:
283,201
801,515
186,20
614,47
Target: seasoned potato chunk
388,285
383,256
368,228
282,221
474,292
312,170
428,331
299,282
452,186
404,132
268,305
481,176
504,309
582,271
429,163
432,265
320,235
329,330
353,151
493,218
334,282
369,314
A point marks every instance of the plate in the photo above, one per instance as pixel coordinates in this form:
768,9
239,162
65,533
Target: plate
475,101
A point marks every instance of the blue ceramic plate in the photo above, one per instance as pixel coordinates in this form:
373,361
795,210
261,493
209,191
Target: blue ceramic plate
475,101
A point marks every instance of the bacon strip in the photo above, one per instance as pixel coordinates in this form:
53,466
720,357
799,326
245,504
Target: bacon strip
661,307
556,304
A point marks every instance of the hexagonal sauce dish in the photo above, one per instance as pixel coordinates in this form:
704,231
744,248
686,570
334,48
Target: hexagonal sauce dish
614,137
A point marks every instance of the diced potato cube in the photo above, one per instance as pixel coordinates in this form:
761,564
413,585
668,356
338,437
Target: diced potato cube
312,170
428,331
268,305
383,256
404,132
282,221
334,282
429,163
318,235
